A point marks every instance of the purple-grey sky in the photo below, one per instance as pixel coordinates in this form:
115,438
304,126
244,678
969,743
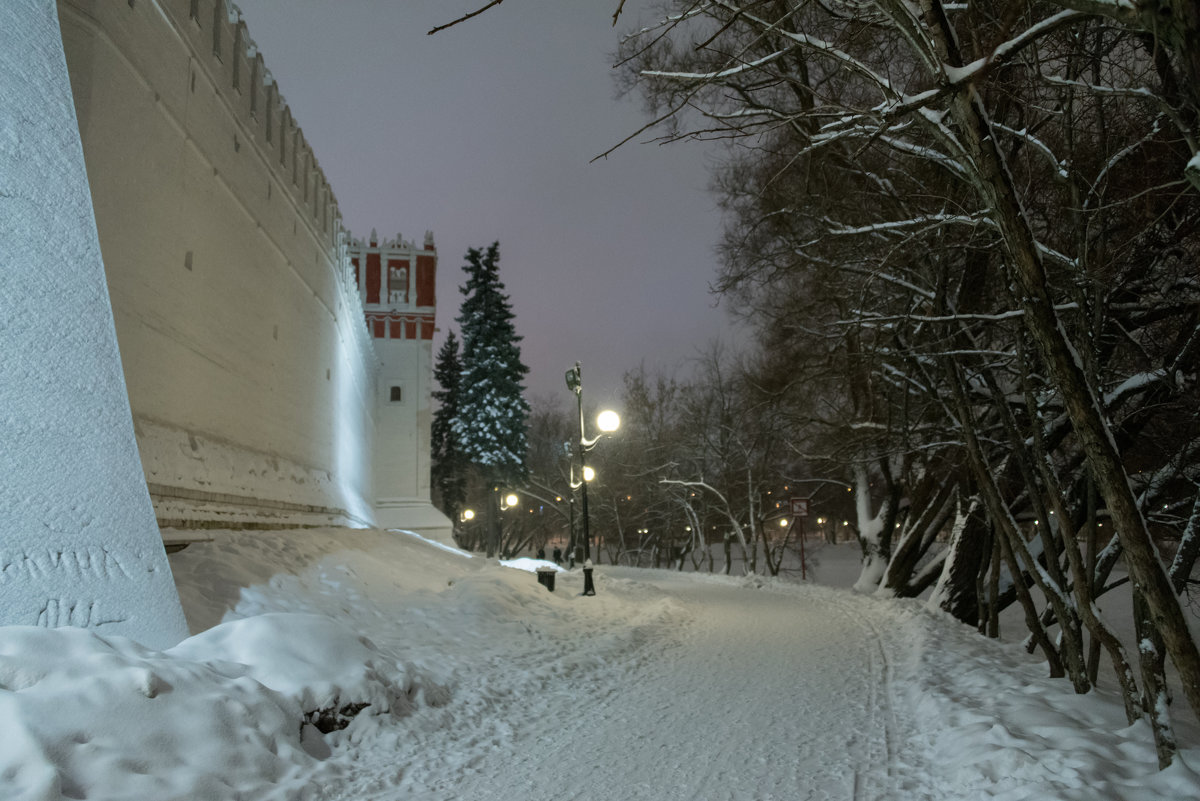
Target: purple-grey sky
484,132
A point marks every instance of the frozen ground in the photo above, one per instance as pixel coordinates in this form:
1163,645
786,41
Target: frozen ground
480,684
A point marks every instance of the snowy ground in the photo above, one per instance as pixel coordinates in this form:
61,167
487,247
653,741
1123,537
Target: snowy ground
481,684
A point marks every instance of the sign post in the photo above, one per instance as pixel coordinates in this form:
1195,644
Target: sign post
799,509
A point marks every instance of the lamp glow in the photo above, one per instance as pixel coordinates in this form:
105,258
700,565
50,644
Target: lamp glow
608,420
468,514
588,474
511,500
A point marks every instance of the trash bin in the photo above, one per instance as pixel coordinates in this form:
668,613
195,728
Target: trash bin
545,577
588,587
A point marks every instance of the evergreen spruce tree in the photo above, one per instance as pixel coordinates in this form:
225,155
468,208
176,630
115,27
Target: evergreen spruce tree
449,468
492,419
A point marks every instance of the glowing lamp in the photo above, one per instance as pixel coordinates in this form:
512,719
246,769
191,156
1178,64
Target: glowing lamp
608,420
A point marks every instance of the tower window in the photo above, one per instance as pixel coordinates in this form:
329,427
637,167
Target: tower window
396,394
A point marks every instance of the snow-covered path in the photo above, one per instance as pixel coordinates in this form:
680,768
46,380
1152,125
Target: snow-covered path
749,699
456,678
750,695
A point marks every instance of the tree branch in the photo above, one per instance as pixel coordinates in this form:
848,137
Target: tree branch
476,13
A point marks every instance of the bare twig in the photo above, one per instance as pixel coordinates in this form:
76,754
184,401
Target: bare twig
620,6
466,17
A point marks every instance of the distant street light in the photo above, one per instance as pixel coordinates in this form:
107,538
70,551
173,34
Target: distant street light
607,421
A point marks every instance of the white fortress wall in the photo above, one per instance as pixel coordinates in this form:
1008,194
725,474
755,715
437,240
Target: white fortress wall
251,375
78,540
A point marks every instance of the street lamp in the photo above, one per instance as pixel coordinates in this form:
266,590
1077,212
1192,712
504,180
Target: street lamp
495,525
607,421
460,535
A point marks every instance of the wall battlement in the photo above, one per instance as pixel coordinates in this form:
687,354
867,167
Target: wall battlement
222,47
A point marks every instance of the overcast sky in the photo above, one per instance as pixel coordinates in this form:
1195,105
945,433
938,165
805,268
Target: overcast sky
484,132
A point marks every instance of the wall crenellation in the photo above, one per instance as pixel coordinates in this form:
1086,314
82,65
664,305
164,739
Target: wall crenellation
223,46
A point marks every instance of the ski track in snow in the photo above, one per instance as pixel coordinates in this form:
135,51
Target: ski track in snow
778,681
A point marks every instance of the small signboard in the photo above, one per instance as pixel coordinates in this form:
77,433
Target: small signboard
799,507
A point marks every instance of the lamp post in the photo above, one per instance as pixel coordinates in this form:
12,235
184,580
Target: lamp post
460,534
495,525
607,421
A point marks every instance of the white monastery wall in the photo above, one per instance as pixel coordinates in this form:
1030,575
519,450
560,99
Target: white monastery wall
78,541
252,378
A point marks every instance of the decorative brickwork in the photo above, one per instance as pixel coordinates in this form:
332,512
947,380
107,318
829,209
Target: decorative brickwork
398,302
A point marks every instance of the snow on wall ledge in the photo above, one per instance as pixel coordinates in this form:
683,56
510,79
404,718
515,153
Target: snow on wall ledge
194,478
78,540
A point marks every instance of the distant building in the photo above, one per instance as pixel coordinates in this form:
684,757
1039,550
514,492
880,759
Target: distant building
267,388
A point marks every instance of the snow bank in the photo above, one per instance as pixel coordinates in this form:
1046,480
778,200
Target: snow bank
531,565
103,718
1002,729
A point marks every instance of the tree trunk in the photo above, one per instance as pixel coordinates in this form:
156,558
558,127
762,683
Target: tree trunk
993,612
995,185
956,590
1061,661
1147,571
1154,683
1189,549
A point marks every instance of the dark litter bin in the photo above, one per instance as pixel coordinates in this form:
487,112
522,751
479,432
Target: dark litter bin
546,577
588,587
